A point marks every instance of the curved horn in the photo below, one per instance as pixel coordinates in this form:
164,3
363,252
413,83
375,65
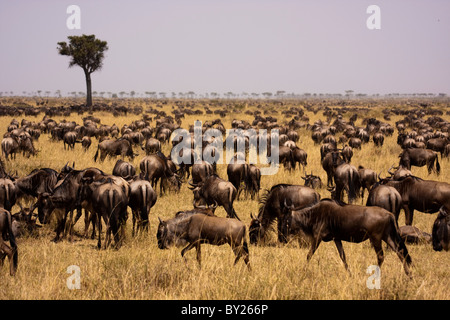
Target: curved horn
389,170
192,184
214,206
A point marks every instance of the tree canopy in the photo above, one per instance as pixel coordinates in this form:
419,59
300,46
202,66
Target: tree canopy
86,52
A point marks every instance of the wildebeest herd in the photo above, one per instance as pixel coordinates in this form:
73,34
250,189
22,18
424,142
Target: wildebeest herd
64,194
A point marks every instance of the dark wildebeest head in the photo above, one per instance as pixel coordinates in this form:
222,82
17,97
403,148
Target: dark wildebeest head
441,231
312,181
331,220
399,173
24,222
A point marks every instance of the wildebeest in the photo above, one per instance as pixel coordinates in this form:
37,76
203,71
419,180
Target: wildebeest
355,143
64,198
152,145
301,157
142,198
69,139
367,178
6,233
413,235
271,208
201,170
423,195
385,197
10,146
286,157
441,231
438,144
109,202
378,139
124,169
237,172
253,181
419,158
120,147
200,228
155,167
347,153
86,143
346,177
330,220
331,161
215,190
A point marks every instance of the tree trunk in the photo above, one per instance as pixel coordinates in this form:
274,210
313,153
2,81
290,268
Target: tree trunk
88,89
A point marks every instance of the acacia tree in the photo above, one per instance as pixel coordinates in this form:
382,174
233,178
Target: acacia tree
86,52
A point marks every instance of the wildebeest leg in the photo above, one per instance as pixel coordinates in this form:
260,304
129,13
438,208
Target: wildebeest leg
281,236
61,224
99,243
199,254
187,248
9,252
340,249
409,214
402,252
240,251
314,245
71,224
134,213
93,218
376,243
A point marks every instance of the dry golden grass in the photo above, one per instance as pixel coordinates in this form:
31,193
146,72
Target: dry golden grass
139,270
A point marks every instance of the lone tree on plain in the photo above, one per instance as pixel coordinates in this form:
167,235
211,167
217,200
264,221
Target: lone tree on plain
86,52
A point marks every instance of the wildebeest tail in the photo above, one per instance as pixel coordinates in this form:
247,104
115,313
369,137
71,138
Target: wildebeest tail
351,186
144,214
438,166
96,155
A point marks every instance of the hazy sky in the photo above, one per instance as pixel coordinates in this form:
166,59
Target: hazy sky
253,46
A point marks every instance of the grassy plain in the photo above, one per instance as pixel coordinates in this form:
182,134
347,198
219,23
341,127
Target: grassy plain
139,270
